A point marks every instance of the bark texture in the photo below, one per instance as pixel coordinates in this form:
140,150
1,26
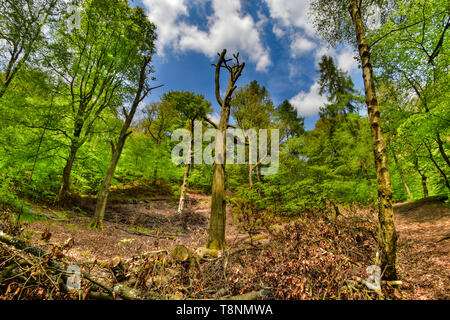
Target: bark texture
387,238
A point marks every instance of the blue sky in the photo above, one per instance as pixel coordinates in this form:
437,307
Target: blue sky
274,37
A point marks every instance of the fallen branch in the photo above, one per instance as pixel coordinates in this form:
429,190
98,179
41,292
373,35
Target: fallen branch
253,295
120,290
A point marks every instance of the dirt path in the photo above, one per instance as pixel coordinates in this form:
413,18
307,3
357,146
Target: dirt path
424,261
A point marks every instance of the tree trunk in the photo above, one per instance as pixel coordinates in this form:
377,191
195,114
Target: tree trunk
424,184
187,170
102,197
250,175
218,201
441,149
444,176
216,238
258,173
65,182
402,176
218,210
423,176
387,233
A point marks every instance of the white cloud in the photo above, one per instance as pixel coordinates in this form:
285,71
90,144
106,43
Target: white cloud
346,61
279,32
309,103
228,28
291,13
301,45
165,14
324,50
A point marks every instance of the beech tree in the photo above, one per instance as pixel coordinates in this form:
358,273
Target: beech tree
99,65
338,21
216,238
191,107
159,120
415,58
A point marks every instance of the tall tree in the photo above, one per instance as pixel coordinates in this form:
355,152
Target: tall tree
100,64
216,238
339,88
191,107
291,125
158,119
343,20
252,108
142,31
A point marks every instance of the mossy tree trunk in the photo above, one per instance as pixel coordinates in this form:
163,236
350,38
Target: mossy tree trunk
387,239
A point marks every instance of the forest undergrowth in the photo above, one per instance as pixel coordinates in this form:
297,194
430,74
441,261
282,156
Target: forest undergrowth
313,256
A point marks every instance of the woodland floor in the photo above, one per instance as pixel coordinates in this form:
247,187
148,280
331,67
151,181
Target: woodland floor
146,223
423,254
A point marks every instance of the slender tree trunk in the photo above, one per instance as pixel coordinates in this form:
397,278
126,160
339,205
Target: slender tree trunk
402,176
387,233
76,144
102,197
218,201
424,184
423,177
183,189
430,155
441,149
218,210
187,170
258,174
250,175
65,182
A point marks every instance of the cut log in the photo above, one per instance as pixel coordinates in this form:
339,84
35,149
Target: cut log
180,253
